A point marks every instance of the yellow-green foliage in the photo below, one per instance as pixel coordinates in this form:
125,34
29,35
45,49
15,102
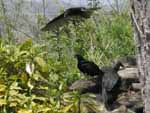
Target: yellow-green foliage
31,83
34,78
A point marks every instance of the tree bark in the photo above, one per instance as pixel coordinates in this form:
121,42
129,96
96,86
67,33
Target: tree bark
140,13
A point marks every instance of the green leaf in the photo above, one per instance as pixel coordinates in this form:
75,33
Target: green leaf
24,78
30,68
26,45
2,102
42,64
67,108
2,88
30,85
24,111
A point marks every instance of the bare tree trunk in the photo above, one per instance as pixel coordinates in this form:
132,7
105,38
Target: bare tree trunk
140,13
44,8
3,11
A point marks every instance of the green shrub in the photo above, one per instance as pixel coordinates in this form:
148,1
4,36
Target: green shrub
34,77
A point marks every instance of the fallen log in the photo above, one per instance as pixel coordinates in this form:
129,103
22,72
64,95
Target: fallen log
126,73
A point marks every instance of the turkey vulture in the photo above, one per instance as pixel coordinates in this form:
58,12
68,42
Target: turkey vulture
88,67
68,14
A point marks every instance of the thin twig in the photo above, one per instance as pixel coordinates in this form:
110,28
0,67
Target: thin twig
135,22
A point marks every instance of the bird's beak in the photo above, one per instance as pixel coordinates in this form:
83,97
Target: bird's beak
121,65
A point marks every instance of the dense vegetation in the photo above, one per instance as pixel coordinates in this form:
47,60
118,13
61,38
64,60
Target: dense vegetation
35,75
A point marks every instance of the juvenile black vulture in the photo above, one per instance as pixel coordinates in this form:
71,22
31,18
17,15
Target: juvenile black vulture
111,83
88,67
68,14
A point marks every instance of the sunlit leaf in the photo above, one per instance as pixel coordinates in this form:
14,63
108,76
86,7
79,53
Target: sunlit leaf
52,100
67,108
13,77
61,86
30,68
24,111
30,84
83,108
41,62
2,102
2,88
15,86
24,78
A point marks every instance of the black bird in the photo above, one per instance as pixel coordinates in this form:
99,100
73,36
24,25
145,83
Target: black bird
111,83
88,67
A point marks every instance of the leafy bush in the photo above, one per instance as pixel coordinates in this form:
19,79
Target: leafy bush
34,77
31,83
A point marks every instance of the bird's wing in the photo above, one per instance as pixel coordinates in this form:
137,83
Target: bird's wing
90,66
57,21
110,80
67,15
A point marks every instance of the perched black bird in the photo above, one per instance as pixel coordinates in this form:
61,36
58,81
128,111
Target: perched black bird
88,67
111,83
